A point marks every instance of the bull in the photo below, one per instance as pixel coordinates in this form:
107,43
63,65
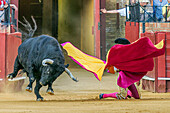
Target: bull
43,60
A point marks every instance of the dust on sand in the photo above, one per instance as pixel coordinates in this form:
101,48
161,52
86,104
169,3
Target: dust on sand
82,97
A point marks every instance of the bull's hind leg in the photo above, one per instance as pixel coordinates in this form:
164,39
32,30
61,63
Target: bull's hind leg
30,71
50,89
17,67
29,87
36,91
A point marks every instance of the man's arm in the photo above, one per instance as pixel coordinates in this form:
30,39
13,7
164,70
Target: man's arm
12,5
110,11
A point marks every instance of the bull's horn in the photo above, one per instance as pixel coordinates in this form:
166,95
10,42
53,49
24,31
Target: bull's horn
70,74
45,61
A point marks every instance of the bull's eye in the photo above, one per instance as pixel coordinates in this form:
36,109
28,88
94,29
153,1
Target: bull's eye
48,71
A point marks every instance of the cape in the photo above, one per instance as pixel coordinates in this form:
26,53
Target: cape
88,62
134,60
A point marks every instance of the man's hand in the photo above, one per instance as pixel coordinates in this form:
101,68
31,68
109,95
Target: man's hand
104,10
168,8
6,5
118,70
12,5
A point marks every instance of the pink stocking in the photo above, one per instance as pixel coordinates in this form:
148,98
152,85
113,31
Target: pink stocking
113,95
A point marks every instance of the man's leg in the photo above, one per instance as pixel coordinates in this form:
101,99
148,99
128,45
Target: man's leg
113,95
117,95
134,91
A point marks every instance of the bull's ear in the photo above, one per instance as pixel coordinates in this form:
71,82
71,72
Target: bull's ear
67,65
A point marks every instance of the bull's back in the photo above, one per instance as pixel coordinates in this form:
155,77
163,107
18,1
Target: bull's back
39,48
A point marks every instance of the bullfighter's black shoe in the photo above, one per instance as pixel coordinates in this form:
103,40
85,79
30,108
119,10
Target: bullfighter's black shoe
101,95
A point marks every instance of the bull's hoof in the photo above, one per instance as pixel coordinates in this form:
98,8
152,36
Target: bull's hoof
40,99
28,89
10,76
51,92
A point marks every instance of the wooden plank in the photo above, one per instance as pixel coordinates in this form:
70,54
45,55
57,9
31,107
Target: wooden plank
12,44
168,60
103,31
151,36
161,66
168,86
97,27
132,31
148,85
2,55
168,73
167,35
168,66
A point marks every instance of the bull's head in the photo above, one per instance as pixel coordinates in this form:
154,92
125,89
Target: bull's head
50,74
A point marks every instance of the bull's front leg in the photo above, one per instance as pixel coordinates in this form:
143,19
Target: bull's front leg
50,89
17,67
36,91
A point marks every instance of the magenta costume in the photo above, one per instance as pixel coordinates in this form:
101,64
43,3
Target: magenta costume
134,60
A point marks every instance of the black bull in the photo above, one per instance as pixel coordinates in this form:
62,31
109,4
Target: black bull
43,60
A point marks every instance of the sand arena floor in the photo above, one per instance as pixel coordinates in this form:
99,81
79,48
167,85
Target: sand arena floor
82,97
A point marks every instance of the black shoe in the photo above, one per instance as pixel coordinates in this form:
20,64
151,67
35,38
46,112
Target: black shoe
101,96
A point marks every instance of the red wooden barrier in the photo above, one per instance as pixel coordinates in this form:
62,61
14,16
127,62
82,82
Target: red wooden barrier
168,61
160,85
2,55
149,84
13,42
9,43
97,28
158,79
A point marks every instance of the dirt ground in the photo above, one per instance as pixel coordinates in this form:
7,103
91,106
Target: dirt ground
82,97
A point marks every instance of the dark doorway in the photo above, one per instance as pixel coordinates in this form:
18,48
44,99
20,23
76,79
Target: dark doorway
28,8
55,19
